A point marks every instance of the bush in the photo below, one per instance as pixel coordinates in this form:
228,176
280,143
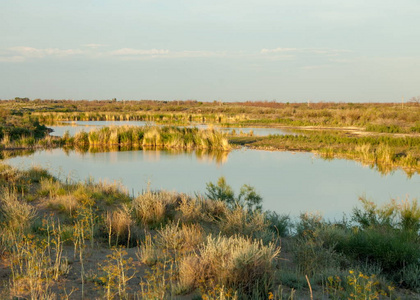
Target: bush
247,197
233,262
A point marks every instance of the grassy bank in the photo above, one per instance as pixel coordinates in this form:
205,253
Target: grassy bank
391,117
19,130
73,240
384,152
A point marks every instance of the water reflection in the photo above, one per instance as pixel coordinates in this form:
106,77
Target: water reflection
289,183
151,153
379,166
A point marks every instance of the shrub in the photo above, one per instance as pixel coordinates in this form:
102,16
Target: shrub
154,208
119,225
242,222
179,238
247,197
279,224
15,215
233,262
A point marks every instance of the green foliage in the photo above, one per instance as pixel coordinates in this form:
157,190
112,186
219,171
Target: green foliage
247,197
279,224
356,286
384,128
220,191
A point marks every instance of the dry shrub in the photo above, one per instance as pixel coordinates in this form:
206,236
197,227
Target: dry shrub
244,222
147,252
214,209
15,214
64,203
153,208
178,238
119,224
191,209
235,262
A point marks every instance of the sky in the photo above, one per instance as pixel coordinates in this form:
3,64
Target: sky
206,50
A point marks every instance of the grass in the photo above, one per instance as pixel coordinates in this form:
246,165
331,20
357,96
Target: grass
234,262
85,239
164,137
236,113
385,153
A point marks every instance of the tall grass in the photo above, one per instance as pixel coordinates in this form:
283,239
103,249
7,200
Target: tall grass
152,209
235,262
154,136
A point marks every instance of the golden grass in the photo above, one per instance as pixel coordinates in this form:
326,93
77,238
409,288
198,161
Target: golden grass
230,261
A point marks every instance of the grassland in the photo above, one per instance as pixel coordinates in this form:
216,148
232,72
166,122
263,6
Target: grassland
389,117
74,240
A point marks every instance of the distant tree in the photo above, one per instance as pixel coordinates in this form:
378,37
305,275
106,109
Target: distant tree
415,99
18,99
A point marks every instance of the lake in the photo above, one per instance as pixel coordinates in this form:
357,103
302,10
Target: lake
289,183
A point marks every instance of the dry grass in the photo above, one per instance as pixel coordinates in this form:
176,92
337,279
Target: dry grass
120,225
179,238
147,252
16,214
191,209
64,203
234,261
244,222
153,208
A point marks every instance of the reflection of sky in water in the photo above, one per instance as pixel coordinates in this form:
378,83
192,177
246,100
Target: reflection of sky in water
87,126
289,183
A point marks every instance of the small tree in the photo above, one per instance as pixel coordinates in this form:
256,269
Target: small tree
220,191
247,197
415,99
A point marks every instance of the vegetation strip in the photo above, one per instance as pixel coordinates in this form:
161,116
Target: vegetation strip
78,240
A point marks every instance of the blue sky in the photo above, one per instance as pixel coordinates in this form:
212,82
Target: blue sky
229,50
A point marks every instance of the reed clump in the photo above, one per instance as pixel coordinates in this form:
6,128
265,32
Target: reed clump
154,136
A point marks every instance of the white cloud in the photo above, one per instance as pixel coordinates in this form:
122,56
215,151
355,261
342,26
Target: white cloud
138,52
22,53
277,50
133,54
29,52
200,54
94,46
320,51
15,58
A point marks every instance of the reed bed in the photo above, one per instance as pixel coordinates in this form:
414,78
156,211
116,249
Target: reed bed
154,136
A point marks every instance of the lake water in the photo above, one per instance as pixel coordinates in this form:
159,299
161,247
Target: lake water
77,126
289,182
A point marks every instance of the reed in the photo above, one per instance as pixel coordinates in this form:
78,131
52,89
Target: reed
153,136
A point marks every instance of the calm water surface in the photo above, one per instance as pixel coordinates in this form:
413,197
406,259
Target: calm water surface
77,126
290,183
